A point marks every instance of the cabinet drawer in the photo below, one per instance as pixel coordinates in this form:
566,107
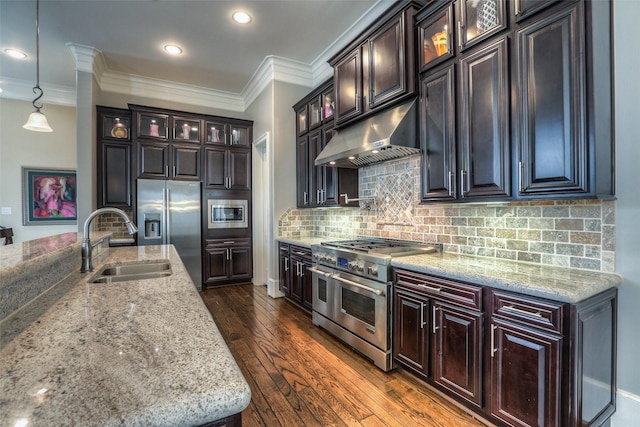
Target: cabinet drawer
454,292
284,249
533,311
210,243
300,251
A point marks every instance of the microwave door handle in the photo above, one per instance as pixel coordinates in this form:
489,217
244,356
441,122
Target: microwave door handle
358,285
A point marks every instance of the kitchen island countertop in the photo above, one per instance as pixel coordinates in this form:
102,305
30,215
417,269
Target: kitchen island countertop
143,352
570,285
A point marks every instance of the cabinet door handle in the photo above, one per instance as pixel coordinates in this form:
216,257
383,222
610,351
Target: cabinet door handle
422,323
463,182
230,242
174,171
286,264
166,171
493,340
521,311
305,198
433,319
301,269
460,34
318,196
298,253
228,255
517,12
520,174
451,174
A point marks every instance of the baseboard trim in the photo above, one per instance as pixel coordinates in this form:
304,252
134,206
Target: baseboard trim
273,289
627,409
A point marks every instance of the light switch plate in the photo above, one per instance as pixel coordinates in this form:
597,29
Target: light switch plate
5,211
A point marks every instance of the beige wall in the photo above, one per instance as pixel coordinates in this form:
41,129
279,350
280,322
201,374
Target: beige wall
20,147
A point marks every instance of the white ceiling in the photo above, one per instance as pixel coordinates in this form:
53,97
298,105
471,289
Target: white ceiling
218,54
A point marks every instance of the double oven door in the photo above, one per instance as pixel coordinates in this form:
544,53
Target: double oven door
357,304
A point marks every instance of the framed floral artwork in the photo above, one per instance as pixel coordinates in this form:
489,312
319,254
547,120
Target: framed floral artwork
49,196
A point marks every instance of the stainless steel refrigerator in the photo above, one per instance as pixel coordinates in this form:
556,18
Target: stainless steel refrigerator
168,212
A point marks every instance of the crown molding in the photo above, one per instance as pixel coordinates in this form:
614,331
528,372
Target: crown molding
276,68
129,84
52,94
88,59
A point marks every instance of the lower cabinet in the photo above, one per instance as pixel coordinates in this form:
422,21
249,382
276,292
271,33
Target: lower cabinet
438,332
515,359
295,279
227,261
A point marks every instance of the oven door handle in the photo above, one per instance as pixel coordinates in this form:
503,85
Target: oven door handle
320,272
375,291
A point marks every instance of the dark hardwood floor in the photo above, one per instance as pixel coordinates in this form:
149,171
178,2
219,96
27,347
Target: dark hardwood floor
301,376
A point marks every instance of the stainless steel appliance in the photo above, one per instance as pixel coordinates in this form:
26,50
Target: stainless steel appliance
168,212
352,292
227,213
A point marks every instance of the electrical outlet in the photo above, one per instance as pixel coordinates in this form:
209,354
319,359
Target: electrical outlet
5,211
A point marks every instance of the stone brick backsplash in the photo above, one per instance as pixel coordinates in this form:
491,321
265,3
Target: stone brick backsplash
114,223
569,233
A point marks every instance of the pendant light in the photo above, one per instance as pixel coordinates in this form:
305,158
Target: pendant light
37,120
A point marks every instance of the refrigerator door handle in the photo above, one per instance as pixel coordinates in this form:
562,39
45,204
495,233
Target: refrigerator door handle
167,209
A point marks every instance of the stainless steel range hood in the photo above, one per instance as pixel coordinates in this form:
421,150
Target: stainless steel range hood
390,134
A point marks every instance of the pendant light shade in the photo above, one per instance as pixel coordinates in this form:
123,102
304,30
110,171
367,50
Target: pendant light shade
37,120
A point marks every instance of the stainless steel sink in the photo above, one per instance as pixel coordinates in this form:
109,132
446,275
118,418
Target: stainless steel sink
133,271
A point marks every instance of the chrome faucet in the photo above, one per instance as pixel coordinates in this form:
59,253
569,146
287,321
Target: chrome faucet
87,265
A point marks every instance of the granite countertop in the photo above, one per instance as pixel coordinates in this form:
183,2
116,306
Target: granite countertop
302,241
562,284
141,352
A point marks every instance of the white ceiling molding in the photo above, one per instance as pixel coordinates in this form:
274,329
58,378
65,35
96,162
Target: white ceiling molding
88,59
129,84
52,94
276,68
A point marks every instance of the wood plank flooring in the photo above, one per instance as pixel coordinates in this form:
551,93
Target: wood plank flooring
301,376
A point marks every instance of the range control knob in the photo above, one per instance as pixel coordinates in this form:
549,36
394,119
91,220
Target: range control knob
353,265
372,271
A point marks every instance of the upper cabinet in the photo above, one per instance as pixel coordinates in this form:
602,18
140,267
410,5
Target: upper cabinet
319,185
479,20
114,157
518,105
378,68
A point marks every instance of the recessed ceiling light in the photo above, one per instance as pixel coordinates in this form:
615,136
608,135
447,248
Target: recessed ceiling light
173,49
17,54
241,17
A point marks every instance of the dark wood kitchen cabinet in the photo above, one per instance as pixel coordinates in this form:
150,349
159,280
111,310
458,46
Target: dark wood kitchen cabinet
227,261
114,158
168,146
438,330
295,279
464,123
532,363
378,67
227,168
554,142
320,185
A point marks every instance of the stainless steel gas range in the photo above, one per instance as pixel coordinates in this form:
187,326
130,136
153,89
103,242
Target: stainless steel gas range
352,291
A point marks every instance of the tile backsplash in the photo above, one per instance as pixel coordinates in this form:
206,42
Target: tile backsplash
569,233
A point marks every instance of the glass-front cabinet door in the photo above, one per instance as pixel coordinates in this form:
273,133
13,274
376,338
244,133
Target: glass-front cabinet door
240,136
187,130
436,38
115,127
153,125
301,120
479,19
215,133
315,112
328,104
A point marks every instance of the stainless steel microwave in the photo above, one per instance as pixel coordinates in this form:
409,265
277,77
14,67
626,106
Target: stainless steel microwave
227,213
